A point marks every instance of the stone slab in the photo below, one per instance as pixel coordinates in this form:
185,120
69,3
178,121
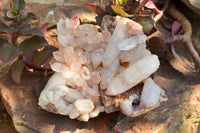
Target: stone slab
180,113
20,101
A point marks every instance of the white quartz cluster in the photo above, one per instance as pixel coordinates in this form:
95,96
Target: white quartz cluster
94,69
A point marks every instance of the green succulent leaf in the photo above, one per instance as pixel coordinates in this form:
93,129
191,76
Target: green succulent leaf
95,8
15,11
26,17
43,55
12,29
5,16
18,4
122,1
33,43
119,11
3,28
28,31
147,24
30,16
8,52
16,70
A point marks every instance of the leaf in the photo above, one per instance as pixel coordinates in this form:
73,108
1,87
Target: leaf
16,70
147,23
75,21
122,1
95,8
33,43
175,27
43,55
8,52
12,29
25,18
150,4
85,21
44,29
29,16
15,12
3,28
28,31
29,56
18,4
119,11
99,19
180,59
5,15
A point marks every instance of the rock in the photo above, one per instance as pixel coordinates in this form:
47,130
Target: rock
179,114
21,103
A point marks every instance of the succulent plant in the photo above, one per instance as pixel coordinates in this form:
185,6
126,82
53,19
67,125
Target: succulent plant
30,53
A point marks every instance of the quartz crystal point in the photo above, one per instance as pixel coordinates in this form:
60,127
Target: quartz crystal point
133,75
101,71
112,50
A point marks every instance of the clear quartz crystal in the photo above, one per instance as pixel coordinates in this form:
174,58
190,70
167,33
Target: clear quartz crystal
89,70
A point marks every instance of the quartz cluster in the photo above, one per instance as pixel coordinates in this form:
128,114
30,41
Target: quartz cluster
101,71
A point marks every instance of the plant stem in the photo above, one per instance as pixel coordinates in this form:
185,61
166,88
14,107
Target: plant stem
186,38
13,38
140,6
36,67
160,15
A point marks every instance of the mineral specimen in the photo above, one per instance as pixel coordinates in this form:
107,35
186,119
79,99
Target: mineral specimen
101,71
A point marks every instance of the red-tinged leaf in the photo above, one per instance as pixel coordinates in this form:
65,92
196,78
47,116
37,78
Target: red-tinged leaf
18,4
28,31
99,19
3,28
44,29
181,60
5,15
30,16
12,14
75,21
95,8
8,52
35,42
43,55
12,29
150,5
16,71
25,18
119,11
175,27
29,56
